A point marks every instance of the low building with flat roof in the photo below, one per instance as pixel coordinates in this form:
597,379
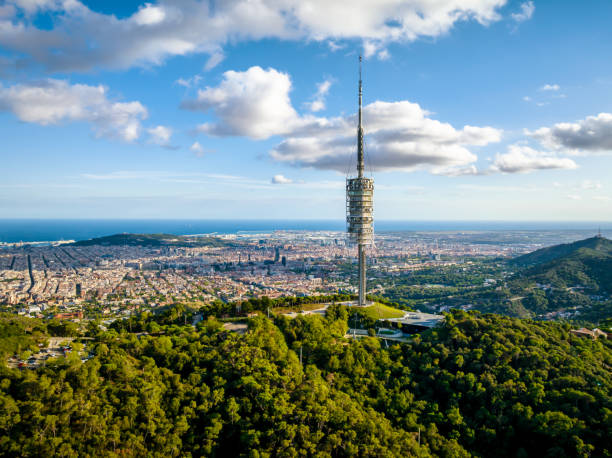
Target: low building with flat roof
413,322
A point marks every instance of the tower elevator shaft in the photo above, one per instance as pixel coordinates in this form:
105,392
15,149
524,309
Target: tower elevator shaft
362,274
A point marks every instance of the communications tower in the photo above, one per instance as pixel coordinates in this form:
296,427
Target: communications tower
359,206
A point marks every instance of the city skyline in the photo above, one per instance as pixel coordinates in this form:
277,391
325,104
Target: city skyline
496,111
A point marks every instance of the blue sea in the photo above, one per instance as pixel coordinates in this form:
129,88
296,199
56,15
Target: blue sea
36,230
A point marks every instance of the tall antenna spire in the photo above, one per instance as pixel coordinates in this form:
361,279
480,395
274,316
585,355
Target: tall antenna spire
360,90
360,165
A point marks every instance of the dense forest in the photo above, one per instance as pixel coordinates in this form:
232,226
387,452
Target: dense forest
478,385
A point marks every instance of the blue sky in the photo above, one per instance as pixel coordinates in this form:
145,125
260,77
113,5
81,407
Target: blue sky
245,108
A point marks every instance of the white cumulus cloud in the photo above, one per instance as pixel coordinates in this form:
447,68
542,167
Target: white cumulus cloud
149,15
189,82
160,135
523,159
254,103
280,179
527,10
592,134
318,100
384,54
197,149
215,59
400,135
81,39
54,101
32,6
550,87
458,171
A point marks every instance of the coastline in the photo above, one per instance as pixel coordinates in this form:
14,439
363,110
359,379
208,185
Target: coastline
49,231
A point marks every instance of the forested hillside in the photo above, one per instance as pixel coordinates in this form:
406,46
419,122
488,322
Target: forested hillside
599,244
586,263
480,385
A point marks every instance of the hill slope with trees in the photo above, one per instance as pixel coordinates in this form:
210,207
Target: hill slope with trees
478,385
585,263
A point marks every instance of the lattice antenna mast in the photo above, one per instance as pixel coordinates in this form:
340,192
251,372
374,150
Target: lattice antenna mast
360,152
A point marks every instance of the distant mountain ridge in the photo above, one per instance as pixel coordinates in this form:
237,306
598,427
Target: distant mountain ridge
586,263
597,243
155,240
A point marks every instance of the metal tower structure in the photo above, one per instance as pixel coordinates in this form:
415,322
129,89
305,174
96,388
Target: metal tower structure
359,205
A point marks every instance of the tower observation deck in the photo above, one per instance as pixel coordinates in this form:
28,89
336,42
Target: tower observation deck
359,205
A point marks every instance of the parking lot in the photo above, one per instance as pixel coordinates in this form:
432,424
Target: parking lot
58,347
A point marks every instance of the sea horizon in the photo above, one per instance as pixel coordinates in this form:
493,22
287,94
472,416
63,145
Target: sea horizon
14,230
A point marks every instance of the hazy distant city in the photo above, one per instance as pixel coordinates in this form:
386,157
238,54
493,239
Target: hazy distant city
116,281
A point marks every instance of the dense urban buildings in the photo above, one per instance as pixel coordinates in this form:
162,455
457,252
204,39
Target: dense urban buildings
117,280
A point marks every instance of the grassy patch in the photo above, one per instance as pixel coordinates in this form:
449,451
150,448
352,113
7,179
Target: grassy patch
379,311
239,319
